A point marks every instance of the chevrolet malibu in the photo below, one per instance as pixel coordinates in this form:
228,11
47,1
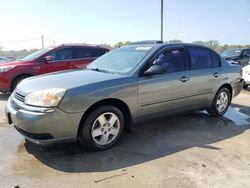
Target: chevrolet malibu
128,84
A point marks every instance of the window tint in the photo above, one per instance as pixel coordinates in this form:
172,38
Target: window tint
216,59
79,53
200,58
62,54
172,60
246,52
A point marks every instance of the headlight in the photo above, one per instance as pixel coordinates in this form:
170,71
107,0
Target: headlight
6,68
45,98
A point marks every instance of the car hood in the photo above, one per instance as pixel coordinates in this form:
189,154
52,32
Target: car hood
13,63
9,63
64,79
246,68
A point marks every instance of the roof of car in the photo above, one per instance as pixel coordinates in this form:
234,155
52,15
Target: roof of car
169,44
80,45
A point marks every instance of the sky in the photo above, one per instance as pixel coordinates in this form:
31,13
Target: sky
97,21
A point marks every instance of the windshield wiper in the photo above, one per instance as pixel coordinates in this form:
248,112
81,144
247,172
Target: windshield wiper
99,70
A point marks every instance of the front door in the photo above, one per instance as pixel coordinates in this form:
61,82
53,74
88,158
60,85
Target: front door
165,92
60,60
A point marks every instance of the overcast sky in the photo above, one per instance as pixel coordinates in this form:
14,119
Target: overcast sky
110,21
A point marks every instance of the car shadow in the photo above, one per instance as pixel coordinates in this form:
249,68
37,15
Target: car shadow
4,96
149,141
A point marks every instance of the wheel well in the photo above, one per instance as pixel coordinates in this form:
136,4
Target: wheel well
19,76
115,102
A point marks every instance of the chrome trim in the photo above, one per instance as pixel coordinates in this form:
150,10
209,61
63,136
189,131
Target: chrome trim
66,60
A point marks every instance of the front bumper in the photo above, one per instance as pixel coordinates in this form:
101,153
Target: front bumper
4,86
43,127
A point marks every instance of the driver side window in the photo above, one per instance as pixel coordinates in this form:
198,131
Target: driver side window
172,60
60,55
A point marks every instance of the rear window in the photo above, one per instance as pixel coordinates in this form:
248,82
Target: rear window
79,53
216,59
200,58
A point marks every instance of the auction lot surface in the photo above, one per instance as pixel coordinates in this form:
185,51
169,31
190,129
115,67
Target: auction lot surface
192,150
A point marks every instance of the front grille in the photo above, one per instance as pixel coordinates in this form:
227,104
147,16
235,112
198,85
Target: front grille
15,105
19,97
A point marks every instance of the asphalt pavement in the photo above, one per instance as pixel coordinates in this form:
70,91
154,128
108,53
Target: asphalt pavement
191,150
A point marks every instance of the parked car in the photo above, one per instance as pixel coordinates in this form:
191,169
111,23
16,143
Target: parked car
126,85
67,56
246,75
4,59
237,55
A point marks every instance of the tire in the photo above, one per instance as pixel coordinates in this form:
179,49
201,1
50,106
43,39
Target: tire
220,103
245,86
16,82
97,132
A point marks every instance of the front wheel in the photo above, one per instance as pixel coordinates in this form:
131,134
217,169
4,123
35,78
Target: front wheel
102,128
17,81
220,103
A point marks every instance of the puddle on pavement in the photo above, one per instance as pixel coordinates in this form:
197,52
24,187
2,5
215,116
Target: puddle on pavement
237,117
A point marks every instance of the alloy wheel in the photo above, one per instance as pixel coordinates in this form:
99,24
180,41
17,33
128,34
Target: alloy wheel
105,128
222,102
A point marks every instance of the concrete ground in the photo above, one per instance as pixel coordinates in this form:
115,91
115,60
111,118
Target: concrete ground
192,150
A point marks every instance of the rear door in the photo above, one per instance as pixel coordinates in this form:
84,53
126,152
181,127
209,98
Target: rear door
204,75
60,60
82,56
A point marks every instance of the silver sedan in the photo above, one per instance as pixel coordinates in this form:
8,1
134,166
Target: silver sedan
128,84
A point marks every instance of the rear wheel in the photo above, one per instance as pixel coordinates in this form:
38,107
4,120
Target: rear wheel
17,80
220,103
102,128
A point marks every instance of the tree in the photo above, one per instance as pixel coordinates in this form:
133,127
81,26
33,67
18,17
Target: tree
106,46
119,44
214,44
33,50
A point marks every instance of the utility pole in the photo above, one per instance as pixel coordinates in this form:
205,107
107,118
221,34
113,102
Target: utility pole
42,42
162,20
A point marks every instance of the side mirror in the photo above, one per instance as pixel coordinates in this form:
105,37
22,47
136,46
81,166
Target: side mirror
46,59
154,69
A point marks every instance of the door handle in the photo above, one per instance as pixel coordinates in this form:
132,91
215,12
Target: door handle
184,79
216,74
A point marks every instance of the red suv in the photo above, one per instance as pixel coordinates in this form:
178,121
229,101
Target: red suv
70,56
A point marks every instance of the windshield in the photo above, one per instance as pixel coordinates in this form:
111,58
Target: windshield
35,54
122,60
231,52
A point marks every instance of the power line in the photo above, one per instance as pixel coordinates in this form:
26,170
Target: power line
23,40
